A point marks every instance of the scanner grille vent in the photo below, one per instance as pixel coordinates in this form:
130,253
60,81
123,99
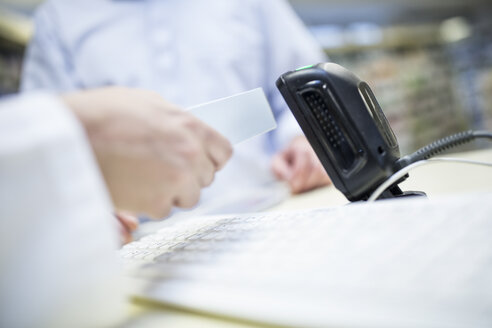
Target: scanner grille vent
334,134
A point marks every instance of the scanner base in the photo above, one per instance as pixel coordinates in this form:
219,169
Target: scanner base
396,192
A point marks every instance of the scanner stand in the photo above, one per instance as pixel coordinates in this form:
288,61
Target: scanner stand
395,192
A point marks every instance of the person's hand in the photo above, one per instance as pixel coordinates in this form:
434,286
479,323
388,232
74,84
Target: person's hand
299,166
152,154
127,223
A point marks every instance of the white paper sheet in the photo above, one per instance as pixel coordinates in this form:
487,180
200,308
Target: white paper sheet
238,117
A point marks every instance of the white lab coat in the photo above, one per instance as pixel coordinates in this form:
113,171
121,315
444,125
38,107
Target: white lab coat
57,242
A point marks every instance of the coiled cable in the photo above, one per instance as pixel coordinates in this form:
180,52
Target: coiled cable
441,145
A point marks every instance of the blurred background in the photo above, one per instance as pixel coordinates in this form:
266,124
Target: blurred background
429,62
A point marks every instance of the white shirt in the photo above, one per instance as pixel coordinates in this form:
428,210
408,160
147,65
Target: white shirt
189,51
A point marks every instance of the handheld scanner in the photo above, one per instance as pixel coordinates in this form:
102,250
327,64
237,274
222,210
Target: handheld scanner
344,124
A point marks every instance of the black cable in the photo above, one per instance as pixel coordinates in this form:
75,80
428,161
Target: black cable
482,134
441,145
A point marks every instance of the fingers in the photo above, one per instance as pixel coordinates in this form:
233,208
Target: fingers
127,223
301,170
212,154
206,172
280,166
188,193
130,222
300,167
216,146
294,165
218,149
185,194
125,235
202,167
318,176
208,150
162,209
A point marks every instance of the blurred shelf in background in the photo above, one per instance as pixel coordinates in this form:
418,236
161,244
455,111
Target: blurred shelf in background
429,62
15,31
385,12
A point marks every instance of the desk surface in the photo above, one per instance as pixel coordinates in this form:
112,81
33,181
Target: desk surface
435,179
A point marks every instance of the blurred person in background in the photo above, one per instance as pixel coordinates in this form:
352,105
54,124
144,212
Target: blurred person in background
58,238
190,52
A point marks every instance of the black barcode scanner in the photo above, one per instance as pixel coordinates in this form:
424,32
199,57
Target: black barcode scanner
345,125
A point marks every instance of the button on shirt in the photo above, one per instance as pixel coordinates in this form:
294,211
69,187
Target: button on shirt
189,51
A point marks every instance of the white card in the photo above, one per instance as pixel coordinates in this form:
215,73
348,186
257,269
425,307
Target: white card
238,117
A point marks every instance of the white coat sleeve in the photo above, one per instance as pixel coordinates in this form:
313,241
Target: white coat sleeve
57,239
